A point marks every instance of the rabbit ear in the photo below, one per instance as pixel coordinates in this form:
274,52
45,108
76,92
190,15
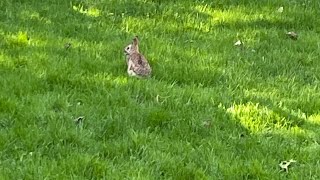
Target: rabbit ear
136,43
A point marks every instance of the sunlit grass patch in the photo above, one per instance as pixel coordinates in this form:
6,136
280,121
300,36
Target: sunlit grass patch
237,15
20,39
103,79
91,11
315,118
257,118
5,61
33,15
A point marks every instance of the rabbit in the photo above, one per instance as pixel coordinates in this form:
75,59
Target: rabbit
138,65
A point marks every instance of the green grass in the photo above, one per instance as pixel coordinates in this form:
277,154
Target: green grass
261,101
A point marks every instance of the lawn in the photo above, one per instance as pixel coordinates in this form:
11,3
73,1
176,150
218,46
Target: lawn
210,110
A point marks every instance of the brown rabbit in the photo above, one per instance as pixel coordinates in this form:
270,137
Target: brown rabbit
137,64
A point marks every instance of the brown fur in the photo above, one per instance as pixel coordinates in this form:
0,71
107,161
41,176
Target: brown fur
137,63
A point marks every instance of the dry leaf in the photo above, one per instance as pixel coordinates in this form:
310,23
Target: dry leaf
67,46
206,123
79,120
280,10
284,165
292,35
238,43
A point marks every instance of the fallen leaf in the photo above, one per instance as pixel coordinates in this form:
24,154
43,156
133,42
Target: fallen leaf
292,35
206,123
238,43
79,120
67,46
284,165
280,10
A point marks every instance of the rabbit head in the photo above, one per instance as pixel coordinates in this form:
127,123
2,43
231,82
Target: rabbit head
133,47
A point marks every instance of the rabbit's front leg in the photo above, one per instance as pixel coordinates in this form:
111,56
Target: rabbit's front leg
130,71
